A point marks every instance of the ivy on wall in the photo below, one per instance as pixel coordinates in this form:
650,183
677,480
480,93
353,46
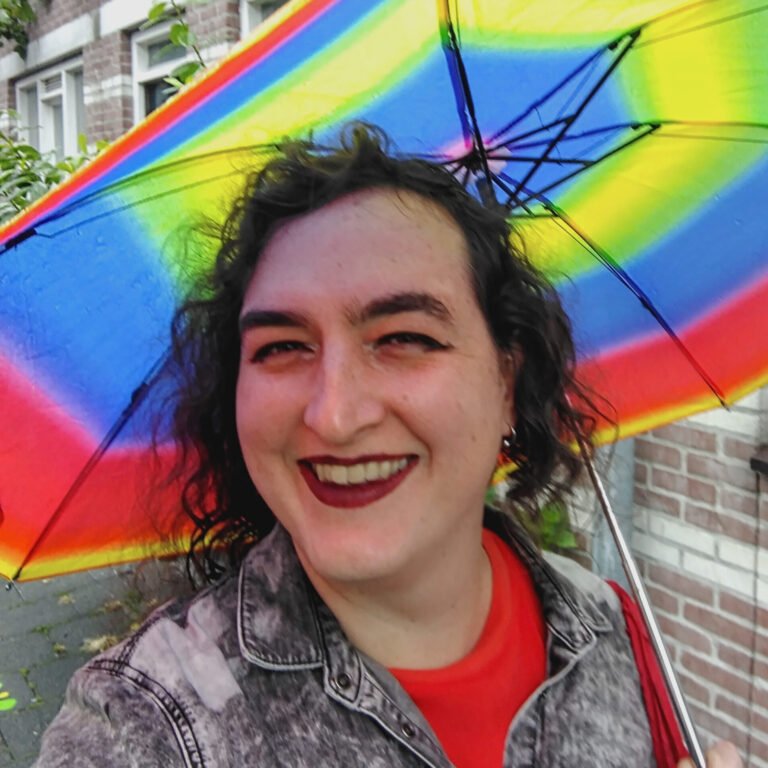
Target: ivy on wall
15,18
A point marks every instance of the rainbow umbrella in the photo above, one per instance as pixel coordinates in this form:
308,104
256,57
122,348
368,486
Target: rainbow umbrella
626,137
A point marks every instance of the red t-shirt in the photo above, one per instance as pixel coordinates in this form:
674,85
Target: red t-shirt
470,704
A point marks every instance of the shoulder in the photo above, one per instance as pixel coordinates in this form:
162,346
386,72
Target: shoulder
153,691
181,650
584,581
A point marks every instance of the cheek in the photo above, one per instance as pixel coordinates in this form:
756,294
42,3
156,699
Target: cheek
251,409
267,413
459,417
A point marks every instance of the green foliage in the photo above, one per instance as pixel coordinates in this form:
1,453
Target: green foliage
26,173
15,17
179,35
552,529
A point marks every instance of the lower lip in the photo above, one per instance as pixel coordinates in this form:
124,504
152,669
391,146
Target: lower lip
348,496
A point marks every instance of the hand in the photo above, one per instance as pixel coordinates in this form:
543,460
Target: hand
722,755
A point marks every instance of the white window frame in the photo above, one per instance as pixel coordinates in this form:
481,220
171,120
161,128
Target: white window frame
39,130
252,14
142,72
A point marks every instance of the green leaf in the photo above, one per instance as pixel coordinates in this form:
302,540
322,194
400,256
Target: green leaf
174,84
185,72
156,14
551,514
157,11
82,143
25,150
179,34
566,540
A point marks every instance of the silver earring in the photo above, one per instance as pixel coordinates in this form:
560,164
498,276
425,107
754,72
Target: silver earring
508,441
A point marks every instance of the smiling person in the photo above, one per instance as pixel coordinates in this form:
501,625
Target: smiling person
366,346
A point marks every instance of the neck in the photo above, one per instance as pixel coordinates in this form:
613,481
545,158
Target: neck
427,618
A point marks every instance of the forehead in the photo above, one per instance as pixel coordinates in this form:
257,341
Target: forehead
377,239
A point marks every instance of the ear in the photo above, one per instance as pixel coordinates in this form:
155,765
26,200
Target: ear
511,364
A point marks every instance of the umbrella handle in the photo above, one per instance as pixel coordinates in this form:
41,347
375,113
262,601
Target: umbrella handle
644,604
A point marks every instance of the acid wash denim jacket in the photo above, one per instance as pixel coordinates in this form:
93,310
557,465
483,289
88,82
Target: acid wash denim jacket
256,671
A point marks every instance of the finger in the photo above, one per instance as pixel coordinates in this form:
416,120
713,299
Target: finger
723,755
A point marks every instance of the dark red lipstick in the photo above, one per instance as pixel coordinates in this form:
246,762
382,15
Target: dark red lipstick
358,495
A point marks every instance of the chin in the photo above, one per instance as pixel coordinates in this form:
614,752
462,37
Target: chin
343,558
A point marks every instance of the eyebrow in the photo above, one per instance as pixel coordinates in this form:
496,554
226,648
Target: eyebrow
397,303
386,306
269,318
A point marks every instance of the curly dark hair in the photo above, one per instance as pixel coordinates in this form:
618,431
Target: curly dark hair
522,310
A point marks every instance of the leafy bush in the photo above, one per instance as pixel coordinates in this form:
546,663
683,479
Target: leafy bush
15,16
26,173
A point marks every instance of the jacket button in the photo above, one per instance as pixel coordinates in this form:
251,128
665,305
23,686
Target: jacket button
408,730
342,681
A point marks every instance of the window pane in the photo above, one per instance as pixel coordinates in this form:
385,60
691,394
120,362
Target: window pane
30,117
156,92
267,9
162,51
78,96
257,11
52,127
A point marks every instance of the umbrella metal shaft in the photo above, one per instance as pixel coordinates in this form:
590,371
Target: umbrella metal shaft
643,602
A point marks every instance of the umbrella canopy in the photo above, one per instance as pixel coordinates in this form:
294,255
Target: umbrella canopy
628,139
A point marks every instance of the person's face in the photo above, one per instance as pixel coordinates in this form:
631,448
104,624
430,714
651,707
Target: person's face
370,397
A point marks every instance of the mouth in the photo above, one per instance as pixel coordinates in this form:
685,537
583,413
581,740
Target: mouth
355,482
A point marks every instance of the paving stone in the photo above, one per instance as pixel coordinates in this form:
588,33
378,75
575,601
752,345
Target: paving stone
88,599
7,758
31,591
51,680
16,684
75,632
21,731
24,651
67,623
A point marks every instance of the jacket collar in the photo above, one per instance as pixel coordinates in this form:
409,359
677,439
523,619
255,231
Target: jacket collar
277,621
283,624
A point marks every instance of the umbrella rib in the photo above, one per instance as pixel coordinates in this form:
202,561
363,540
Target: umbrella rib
532,132
500,179
126,206
538,194
615,269
464,94
550,160
137,398
698,27
613,127
632,38
539,102
156,170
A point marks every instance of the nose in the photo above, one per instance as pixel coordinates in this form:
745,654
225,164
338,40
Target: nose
344,401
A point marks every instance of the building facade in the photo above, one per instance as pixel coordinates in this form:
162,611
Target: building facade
93,69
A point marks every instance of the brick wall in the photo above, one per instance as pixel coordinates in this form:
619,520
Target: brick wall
54,13
701,537
215,23
107,66
108,92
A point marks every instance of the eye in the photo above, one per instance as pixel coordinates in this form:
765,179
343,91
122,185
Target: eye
279,349
410,339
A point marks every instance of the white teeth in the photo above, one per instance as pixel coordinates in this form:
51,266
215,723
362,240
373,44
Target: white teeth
339,475
356,474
